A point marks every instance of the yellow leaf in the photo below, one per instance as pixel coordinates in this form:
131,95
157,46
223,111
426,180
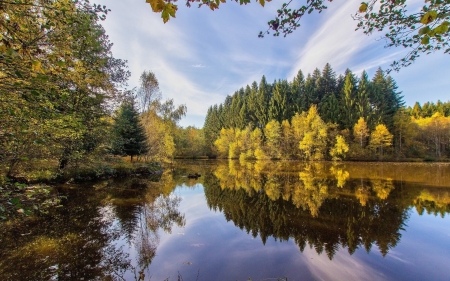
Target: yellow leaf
169,11
428,17
363,7
36,65
262,2
223,1
157,5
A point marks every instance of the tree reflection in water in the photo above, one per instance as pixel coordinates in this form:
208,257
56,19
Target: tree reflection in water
322,206
81,240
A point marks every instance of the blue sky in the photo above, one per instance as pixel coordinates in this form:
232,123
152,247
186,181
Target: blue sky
202,55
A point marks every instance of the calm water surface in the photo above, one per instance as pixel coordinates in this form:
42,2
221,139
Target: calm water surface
258,220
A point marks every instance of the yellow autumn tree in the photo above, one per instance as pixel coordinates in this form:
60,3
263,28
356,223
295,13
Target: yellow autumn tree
222,144
435,132
314,142
160,142
287,141
380,138
272,132
360,131
298,128
244,143
340,149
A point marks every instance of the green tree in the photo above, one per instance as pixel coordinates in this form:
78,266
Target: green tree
127,132
348,101
362,97
58,79
278,105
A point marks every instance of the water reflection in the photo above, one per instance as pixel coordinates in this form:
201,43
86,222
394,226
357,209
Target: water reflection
112,230
90,236
320,204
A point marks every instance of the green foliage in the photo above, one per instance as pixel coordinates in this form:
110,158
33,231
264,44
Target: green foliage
128,137
58,79
340,100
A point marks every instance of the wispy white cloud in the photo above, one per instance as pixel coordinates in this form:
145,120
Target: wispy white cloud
342,267
334,41
198,65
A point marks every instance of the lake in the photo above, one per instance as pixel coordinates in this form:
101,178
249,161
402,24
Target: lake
243,221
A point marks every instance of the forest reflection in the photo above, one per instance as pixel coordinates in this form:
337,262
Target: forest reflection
90,237
323,205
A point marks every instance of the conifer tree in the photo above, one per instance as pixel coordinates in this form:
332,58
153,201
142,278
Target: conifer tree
362,99
262,102
278,107
316,96
128,134
349,117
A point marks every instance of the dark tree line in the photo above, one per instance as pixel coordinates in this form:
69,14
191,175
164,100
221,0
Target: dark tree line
429,108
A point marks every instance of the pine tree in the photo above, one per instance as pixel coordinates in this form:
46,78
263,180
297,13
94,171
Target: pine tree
278,108
331,111
262,103
128,134
349,113
298,92
316,96
252,105
362,98
384,98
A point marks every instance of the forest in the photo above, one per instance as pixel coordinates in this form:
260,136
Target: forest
324,116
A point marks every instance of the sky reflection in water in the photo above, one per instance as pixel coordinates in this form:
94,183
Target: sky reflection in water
216,249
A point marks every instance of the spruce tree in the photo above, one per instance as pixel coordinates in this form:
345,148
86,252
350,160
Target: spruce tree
262,100
349,113
298,92
362,100
128,133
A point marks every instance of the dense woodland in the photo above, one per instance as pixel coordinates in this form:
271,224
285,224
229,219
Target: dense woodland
325,116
